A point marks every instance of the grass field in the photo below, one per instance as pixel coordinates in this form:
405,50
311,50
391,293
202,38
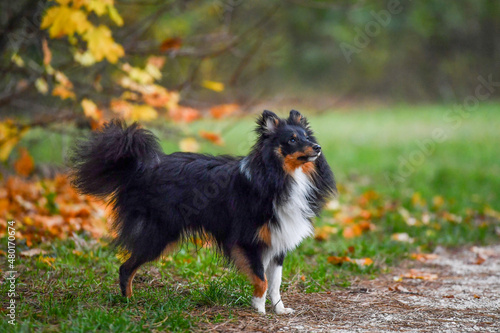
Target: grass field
396,176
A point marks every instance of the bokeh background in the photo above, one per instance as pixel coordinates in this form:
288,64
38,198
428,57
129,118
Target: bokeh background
403,96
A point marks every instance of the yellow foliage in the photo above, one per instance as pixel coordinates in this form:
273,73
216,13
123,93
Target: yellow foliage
101,44
41,85
9,137
143,113
189,145
113,15
90,109
84,58
65,21
213,85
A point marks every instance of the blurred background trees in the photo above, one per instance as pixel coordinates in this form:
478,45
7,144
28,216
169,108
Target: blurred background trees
87,60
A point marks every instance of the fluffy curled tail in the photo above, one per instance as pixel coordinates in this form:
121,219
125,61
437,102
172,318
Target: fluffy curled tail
108,159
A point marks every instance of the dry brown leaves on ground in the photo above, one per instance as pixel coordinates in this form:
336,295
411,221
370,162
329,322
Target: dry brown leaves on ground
48,209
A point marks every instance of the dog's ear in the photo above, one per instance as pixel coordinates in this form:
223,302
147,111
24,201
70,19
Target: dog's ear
297,119
268,122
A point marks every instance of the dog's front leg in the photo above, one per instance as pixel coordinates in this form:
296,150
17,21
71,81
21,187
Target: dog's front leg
273,273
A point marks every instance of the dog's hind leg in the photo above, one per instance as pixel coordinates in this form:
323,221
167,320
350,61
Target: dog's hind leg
136,260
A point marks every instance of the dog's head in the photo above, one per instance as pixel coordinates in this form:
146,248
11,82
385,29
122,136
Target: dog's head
291,139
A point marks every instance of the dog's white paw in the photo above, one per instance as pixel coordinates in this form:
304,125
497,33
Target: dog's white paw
282,310
259,304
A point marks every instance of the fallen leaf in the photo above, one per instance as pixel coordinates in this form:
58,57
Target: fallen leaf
414,274
189,145
424,257
402,237
323,233
25,164
32,252
479,259
337,260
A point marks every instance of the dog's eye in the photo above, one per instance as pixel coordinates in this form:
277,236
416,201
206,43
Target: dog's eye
292,140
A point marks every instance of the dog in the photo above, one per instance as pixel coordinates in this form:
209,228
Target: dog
256,208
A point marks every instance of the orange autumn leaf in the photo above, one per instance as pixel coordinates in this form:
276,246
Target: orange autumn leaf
223,110
63,92
337,260
173,43
324,232
351,232
25,164
184,114
424,257
212,137
47,55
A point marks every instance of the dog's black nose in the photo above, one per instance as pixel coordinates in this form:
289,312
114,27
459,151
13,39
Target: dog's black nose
317,148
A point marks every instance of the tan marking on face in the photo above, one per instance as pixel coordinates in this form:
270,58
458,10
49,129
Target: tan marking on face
309,151
264,234
292,161
241,262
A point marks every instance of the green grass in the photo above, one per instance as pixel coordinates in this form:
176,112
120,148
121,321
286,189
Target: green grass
79,292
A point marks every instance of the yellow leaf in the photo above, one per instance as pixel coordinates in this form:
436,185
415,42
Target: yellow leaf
113,14
17,60
97,6
63,20
189,145
90,109
143,113
25,164
6,147
63,79
9,137
138,75
213,85
438,201
84,58
101,44
324,232
41,85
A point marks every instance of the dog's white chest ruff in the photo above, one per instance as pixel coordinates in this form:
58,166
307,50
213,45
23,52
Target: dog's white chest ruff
293,216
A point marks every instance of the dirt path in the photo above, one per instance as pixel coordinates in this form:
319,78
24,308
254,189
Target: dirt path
457,291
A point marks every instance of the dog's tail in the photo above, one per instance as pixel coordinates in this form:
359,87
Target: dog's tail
106,161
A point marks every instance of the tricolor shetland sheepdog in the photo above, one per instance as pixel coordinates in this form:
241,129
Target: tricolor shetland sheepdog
256,208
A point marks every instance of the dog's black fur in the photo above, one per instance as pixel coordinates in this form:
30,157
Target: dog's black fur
161,199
